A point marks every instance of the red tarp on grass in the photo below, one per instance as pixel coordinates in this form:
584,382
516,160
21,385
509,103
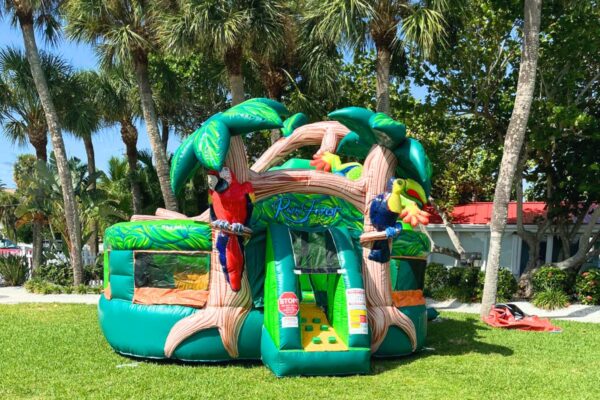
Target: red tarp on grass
511,317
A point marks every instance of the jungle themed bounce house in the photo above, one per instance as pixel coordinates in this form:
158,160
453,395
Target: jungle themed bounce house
312,266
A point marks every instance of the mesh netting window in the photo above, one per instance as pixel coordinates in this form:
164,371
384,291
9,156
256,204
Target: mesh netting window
167,270
314,252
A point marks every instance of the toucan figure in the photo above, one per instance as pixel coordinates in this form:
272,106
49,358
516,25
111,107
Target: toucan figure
403,198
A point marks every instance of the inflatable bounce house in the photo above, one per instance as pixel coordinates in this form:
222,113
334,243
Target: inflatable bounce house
311,266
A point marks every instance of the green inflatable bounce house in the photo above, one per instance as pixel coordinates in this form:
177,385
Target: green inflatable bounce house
311,266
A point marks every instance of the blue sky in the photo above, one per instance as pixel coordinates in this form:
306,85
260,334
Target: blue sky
107,142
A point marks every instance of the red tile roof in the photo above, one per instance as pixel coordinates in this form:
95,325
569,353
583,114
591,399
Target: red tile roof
481,213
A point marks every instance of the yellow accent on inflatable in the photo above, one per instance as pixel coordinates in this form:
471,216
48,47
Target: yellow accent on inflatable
316,338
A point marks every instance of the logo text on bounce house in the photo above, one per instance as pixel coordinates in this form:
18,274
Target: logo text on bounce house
299,213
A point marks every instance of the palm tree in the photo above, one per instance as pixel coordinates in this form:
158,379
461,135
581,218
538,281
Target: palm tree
116,183
515,134
169,95
299,61
124,32
28,15
390,25
22,114
115,99
8,219
227,28
82,118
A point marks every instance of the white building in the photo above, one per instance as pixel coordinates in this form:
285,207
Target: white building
471,223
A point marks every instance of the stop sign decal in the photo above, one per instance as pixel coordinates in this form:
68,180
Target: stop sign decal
288,304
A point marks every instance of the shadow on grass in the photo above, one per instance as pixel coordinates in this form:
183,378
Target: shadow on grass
168,361
449,337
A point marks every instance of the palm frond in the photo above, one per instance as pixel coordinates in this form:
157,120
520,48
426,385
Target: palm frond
424,28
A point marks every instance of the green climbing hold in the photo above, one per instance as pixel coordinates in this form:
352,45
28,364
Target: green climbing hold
324,327
316,340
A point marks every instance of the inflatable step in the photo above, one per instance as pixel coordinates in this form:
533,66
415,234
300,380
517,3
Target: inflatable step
317,334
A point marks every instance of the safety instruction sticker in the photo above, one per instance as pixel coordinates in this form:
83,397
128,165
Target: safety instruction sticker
289,322
357,311
289,305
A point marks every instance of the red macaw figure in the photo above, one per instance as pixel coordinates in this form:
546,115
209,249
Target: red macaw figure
231,205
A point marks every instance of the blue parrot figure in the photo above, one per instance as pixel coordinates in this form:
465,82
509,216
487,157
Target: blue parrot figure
403,198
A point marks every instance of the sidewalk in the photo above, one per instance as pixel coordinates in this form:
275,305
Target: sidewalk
575,312
18,294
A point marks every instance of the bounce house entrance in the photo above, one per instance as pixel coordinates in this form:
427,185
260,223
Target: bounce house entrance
318,270
314,303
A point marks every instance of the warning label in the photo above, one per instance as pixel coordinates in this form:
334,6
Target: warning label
289,322
357,311
288,304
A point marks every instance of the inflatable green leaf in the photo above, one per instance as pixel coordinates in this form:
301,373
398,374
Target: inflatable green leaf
413,163
279,108
388,132
356,119
208,145
250,116
184,163
211,144
292,123
353,145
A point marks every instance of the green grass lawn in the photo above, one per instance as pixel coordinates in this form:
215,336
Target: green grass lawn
58,351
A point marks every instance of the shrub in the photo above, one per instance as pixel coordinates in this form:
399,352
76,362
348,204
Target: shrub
93,272
436,277
40,286
443,293
551,278
464,282
551,299
507,285
13,270
59,273
587,287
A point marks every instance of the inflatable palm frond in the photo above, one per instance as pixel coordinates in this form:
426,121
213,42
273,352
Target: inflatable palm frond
293,122
369,128
209,144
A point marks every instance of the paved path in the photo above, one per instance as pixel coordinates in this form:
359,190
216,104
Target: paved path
18,294
576,312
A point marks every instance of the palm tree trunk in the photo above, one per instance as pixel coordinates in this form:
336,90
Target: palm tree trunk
236,84
71,214
36,254
274,81
91,167
515,135
384,57
233,64
129,135
39,140
149,111
165,134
